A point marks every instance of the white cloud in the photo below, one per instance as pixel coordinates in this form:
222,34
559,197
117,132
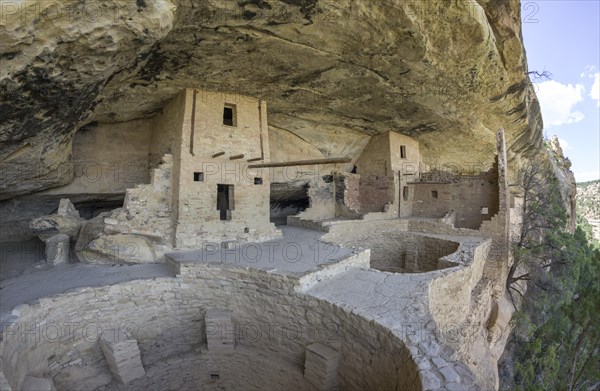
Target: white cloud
558,101
586,176
589,71
595,92
564,144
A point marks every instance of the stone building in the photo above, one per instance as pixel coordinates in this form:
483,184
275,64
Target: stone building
386,166
389,181
201,190
216,196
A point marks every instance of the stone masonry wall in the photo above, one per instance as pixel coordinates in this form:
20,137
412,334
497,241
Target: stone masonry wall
166,132
466,198
376,175
375,192
147,210
321,193
347,195
58,336
203,136
410,165
450,293
392,248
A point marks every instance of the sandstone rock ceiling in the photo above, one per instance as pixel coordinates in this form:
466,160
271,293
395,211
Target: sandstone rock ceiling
447,72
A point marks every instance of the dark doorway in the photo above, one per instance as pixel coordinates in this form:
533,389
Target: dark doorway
225,201
287,199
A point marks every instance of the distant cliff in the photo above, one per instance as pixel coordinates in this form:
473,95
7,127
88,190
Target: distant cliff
588,199
588,204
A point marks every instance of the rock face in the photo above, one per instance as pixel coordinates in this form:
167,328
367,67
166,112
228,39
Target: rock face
333,72
56,58
38,384
561,166
93,246
65,221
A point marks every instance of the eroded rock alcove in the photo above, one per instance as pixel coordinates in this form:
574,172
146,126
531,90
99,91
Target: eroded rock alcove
354,158
370,247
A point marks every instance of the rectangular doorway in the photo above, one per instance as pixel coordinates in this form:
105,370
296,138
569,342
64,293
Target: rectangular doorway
225,201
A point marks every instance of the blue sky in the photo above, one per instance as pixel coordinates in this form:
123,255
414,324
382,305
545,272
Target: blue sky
563,38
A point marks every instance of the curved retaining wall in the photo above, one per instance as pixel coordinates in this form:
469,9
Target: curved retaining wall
58,336
450,289
394,249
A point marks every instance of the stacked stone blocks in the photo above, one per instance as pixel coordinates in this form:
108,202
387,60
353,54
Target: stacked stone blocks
122,355
320,366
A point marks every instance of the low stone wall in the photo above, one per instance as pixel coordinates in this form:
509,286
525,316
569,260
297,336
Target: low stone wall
306,223
58,336
451,289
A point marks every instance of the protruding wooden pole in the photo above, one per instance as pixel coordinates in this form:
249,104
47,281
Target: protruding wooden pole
303,162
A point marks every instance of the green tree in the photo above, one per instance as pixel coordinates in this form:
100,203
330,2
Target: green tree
557,347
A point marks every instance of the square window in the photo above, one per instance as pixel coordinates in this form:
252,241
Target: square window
434,194
198,177
229,115
258,181
402,152
214,376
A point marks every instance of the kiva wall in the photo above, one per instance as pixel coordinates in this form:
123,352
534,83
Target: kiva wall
166,317
392,248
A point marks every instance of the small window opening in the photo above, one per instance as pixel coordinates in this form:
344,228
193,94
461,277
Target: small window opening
258,181
354,170
229,115
402,152
405,193
225,201
198,177
434,194
214,376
